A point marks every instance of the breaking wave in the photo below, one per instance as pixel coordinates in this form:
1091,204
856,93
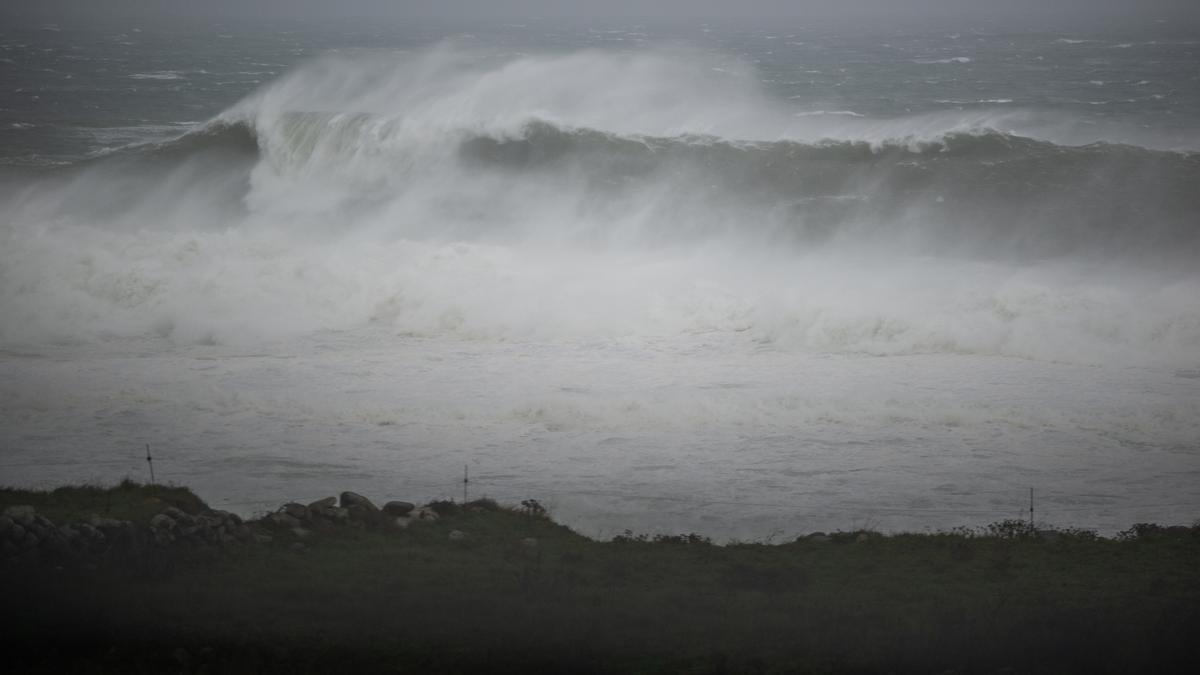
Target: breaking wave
600,194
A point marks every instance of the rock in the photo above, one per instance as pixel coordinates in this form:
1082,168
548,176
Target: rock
163,522
297,511
21,514
16,533
425,513
299,547
398,508
6,523
301,533
529,542
402,522
57,544
323,504
338,515
354,500
282,521
263,539
457,535
365,515
818,538
226,517
178,515
105,523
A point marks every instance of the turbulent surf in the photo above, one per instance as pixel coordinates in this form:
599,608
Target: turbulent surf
464,182
606,275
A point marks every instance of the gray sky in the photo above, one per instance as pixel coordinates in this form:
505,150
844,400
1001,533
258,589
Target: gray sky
868,14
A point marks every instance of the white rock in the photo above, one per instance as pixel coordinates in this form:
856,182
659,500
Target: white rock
162,522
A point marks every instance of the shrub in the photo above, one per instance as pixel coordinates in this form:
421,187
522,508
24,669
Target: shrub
1012,528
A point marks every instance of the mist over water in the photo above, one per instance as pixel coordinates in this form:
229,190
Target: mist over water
596,271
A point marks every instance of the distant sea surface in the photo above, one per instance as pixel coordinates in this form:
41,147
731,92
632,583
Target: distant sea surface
746,283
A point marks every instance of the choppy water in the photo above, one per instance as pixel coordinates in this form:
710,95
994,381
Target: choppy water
742,283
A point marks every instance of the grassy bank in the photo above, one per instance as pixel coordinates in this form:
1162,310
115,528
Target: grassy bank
516,592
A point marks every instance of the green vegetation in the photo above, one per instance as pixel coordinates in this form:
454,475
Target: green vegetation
128,500
417,600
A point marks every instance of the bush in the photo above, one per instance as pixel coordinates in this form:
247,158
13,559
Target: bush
1011,529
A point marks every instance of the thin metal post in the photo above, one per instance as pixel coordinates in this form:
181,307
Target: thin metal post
1031,509
150,461
465,481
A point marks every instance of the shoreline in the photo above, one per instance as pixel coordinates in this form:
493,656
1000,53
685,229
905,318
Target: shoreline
479,587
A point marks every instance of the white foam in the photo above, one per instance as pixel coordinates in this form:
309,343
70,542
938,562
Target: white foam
158,75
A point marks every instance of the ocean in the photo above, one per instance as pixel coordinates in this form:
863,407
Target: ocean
742,282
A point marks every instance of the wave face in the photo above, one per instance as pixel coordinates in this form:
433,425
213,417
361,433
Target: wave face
496,195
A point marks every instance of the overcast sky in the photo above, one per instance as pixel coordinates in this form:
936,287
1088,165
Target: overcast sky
1021,14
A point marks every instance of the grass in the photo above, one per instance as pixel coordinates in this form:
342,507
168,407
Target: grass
416,601
128,500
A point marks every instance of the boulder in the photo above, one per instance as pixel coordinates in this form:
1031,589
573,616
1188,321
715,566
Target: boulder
163,522
355,500
301,533
89,532
457,535
398,508
282,520
178,515
425,513
366,514
401,523
22,515
6,524
15,533
297,511
322,505
529,542
105,523
226,517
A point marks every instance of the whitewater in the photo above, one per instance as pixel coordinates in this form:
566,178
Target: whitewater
637,285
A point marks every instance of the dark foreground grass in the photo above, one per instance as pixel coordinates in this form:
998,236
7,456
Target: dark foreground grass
417,602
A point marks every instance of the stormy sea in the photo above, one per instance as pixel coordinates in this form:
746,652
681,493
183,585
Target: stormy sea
740,282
